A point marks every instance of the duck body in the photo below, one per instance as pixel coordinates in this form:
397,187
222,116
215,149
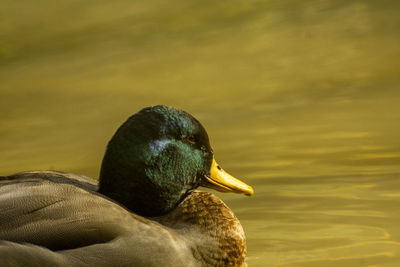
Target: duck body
60,219
145,217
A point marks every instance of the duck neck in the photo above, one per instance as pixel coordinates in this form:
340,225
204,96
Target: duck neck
146,184
139,194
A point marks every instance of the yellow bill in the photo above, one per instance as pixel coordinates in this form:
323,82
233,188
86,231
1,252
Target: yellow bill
222,181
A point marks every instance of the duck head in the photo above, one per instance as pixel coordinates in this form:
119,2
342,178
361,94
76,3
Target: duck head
157,157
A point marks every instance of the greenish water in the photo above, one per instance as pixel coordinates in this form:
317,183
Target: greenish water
301,99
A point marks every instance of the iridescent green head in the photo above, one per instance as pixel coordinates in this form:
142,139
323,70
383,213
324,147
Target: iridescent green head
155,158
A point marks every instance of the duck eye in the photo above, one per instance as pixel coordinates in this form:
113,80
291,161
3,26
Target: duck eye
191,139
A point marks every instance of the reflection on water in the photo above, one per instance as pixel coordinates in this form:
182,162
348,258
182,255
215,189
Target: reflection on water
300,98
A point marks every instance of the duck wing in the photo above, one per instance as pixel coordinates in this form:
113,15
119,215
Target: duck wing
59,219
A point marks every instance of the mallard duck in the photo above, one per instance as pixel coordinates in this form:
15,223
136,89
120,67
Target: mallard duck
144,211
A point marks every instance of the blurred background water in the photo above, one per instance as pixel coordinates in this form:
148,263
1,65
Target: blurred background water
300,99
